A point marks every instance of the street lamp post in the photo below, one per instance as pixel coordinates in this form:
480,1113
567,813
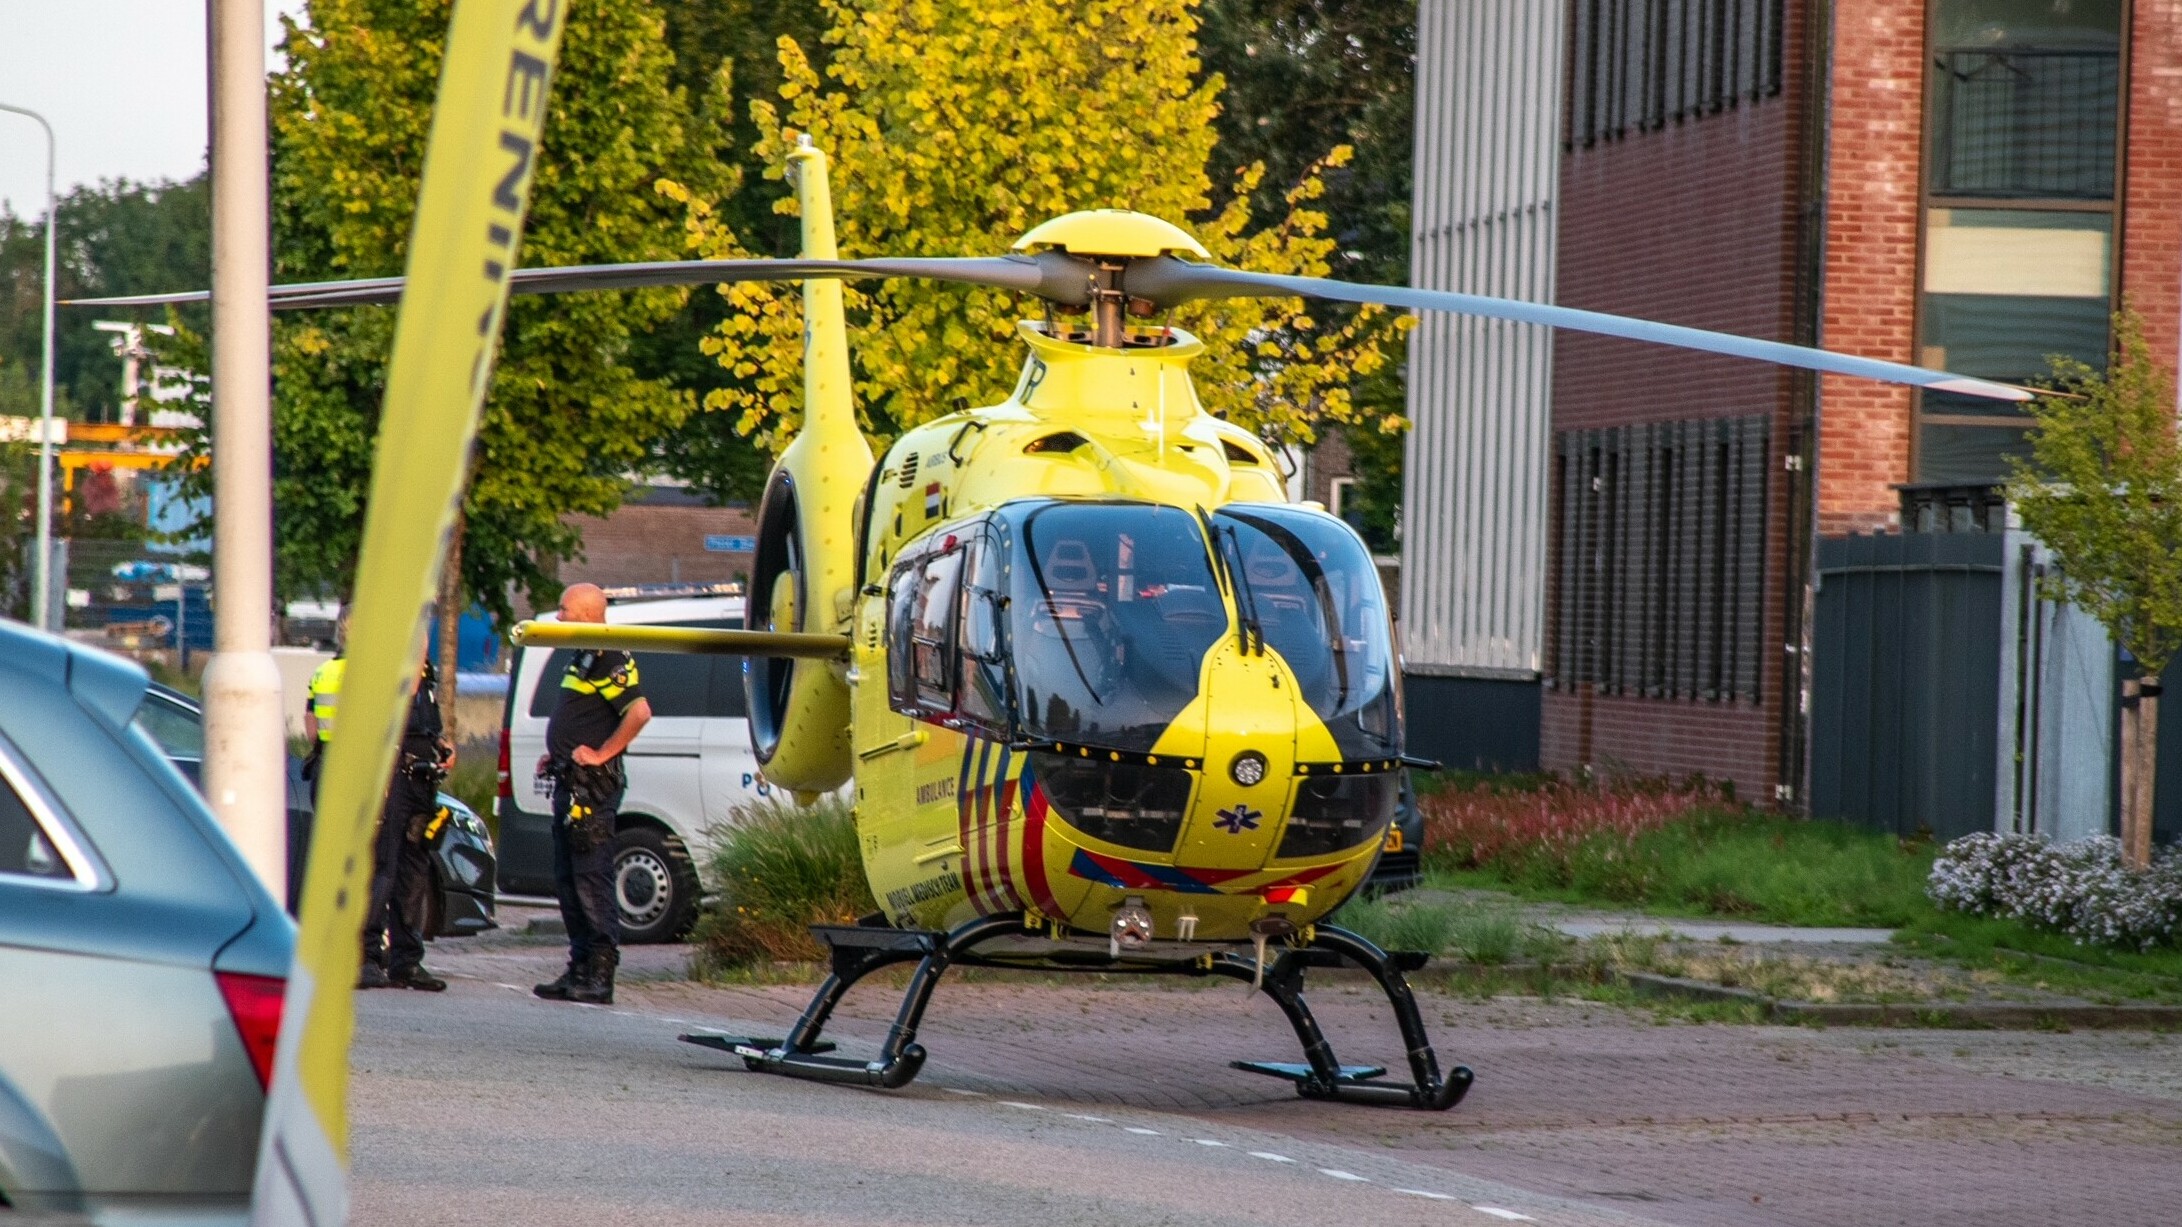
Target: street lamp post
40,617
245,745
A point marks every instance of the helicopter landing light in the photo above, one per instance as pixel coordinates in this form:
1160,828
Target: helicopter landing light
1247,769
1132,927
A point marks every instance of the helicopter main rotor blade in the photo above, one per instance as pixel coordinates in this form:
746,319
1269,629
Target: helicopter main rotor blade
680,639
1052,275
1168,282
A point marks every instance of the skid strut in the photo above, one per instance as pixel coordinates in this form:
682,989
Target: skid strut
1321,1076
859,950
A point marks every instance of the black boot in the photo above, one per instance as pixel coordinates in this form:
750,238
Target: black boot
595,985
558,990
417,978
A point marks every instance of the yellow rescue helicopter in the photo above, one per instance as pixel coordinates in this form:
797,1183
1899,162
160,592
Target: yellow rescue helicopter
1109,700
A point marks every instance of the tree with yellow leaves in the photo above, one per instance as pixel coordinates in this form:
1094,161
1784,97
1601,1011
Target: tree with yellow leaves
956,125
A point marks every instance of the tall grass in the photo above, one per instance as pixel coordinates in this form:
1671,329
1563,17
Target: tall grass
779,869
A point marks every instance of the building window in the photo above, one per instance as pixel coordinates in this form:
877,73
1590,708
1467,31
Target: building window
1638,65
2019,219
1659,559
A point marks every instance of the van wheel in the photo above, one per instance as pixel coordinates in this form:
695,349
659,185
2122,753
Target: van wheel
655,886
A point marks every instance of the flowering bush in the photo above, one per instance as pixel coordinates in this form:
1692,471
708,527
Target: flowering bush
1470,827
2080,888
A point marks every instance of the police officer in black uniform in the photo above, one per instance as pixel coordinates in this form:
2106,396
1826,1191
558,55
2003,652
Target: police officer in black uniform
401,873
602,708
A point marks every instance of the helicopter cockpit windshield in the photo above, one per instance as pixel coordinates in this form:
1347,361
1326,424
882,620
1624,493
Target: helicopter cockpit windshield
1307,586
1112,607
1087,623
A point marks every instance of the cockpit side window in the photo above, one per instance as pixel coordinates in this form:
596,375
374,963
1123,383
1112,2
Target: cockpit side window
932,628
923,602
981,647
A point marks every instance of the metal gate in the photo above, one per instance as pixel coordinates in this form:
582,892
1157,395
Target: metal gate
1906,681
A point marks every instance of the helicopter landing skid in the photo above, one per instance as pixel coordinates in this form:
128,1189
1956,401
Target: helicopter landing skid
1324,1077
859,950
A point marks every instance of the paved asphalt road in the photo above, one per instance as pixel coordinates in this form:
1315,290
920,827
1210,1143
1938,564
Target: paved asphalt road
1062,1104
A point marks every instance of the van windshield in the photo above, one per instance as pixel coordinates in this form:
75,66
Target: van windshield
1111,610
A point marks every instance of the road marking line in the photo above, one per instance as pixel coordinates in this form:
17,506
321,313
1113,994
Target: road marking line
1429,1193
1027,1107
1150,1133
679,1022
1096,1120
1269,1155
954,1090
1497,1212
1338,1174
511,988
1207,1142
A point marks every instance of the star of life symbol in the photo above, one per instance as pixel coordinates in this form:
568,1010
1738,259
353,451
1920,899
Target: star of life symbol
1236,821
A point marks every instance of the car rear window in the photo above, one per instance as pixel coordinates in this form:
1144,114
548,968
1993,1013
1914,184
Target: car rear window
25,851
176,731
676,683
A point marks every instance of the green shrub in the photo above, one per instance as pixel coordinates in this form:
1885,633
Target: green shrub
780,868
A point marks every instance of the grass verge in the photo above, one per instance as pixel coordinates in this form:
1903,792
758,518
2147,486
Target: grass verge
1719,863
2016,953
1473,932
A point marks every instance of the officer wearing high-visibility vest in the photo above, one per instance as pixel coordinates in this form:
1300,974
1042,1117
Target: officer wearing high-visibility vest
401,878
321,704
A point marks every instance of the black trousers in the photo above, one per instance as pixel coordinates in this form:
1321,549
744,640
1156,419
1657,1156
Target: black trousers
585,883
401,878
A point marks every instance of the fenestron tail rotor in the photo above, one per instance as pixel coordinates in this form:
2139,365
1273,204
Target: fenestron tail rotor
1109,261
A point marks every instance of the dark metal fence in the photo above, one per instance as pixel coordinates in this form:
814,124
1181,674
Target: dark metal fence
1906,686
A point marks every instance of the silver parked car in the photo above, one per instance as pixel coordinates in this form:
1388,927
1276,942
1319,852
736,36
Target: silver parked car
142,964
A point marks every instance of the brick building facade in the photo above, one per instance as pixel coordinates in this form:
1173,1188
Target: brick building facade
1969,184
663,535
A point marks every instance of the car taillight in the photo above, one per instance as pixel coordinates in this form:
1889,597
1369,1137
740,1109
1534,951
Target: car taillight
254,1003
506,788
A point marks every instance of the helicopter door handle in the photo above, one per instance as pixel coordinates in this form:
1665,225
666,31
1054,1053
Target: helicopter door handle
907,741
939,854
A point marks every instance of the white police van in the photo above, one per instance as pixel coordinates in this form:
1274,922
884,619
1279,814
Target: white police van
688,769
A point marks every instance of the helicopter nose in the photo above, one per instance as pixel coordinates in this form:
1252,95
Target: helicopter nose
1249,760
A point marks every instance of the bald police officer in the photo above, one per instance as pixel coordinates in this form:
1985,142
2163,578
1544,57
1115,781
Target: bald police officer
601,710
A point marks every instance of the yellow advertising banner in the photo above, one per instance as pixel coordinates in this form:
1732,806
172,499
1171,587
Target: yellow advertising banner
478,170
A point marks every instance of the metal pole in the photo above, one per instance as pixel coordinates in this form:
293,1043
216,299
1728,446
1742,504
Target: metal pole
245,767
40,615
